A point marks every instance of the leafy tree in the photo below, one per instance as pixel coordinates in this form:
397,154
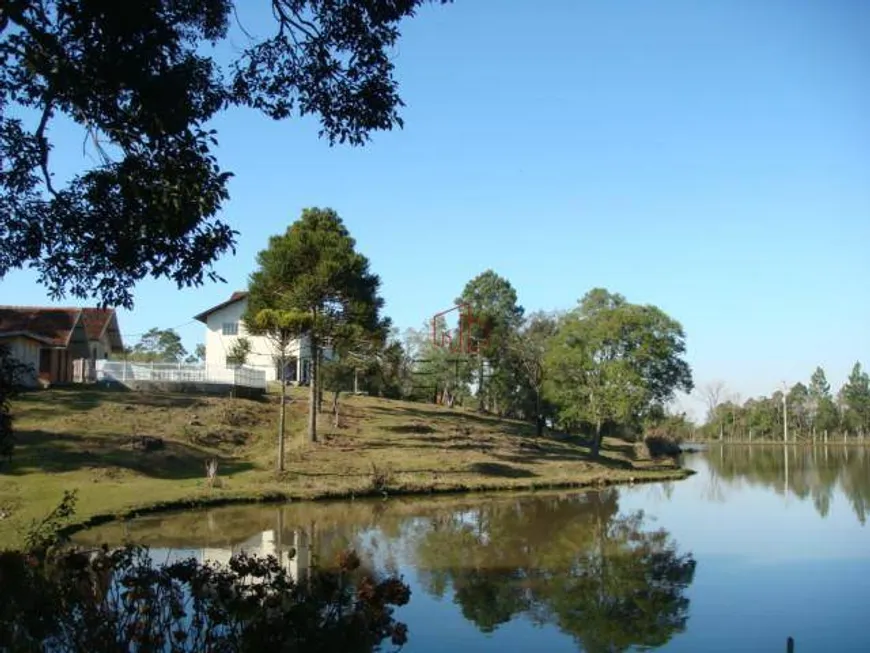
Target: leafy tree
493,302
313,276
586,383
856,399
529,346
238,352
763,416
281,328
391,376
158,346
141,82
613,361
824,412
799,407
198,355
819,386
444,373
358,351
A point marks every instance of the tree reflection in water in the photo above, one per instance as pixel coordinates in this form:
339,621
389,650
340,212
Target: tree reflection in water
804,472
569,561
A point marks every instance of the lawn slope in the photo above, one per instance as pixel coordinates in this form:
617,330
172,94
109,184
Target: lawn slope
80,438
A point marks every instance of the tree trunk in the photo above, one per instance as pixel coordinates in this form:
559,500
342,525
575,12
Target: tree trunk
539,422
312,390
480,404
596,443
282,420
319,384
335,415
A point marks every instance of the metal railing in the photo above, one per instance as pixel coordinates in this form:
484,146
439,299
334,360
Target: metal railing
124,371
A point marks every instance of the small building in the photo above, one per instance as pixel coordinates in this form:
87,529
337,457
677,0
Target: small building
224,327
104,335
48,340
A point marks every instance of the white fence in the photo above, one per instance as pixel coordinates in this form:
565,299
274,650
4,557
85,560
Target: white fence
122,372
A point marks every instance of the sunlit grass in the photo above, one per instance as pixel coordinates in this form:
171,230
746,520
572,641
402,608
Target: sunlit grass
78,438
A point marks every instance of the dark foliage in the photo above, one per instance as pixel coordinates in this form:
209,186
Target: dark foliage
139,80
11,375
65,599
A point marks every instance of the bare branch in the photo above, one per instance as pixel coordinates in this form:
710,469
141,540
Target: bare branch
239,23
43,143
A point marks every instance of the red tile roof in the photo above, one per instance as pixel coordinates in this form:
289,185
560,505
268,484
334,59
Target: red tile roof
96,320
53,326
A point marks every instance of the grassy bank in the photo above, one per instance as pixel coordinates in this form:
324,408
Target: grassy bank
80,439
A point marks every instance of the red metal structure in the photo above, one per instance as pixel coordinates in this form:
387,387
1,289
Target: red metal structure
466,343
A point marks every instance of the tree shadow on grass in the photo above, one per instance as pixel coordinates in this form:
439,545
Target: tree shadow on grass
410,428
87,397
42,452
473,420
501,470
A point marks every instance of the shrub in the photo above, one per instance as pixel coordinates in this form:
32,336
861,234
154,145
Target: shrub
660,444
381,477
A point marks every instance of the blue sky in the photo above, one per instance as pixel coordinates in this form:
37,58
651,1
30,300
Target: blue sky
712,158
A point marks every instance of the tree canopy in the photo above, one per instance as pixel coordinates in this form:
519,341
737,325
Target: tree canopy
158,346
143,80
613,361
496,314
312,282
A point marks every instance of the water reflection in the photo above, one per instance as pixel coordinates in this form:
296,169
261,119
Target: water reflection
814,473
573,562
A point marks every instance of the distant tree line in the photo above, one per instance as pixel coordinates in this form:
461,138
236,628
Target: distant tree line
811,411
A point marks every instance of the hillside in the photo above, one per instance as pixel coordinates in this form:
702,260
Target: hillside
82,439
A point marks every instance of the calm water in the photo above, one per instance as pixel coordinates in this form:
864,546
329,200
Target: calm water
760,544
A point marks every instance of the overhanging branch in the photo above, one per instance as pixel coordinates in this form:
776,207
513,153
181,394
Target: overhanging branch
43,143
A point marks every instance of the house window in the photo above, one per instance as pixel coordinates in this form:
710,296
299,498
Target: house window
230,328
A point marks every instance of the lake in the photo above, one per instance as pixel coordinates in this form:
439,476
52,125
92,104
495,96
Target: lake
762,543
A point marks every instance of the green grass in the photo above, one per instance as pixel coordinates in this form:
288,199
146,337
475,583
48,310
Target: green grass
78,438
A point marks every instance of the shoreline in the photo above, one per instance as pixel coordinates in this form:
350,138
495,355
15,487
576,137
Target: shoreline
770,443
638,477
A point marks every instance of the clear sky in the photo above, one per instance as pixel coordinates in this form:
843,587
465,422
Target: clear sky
712,158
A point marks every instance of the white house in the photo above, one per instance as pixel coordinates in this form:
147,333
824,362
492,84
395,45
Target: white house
224,327
292,549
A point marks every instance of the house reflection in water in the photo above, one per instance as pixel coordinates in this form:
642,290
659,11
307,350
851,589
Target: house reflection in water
292,549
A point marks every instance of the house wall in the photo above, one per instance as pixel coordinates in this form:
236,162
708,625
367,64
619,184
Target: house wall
78,343
99,349
25,351
262,356
55,365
